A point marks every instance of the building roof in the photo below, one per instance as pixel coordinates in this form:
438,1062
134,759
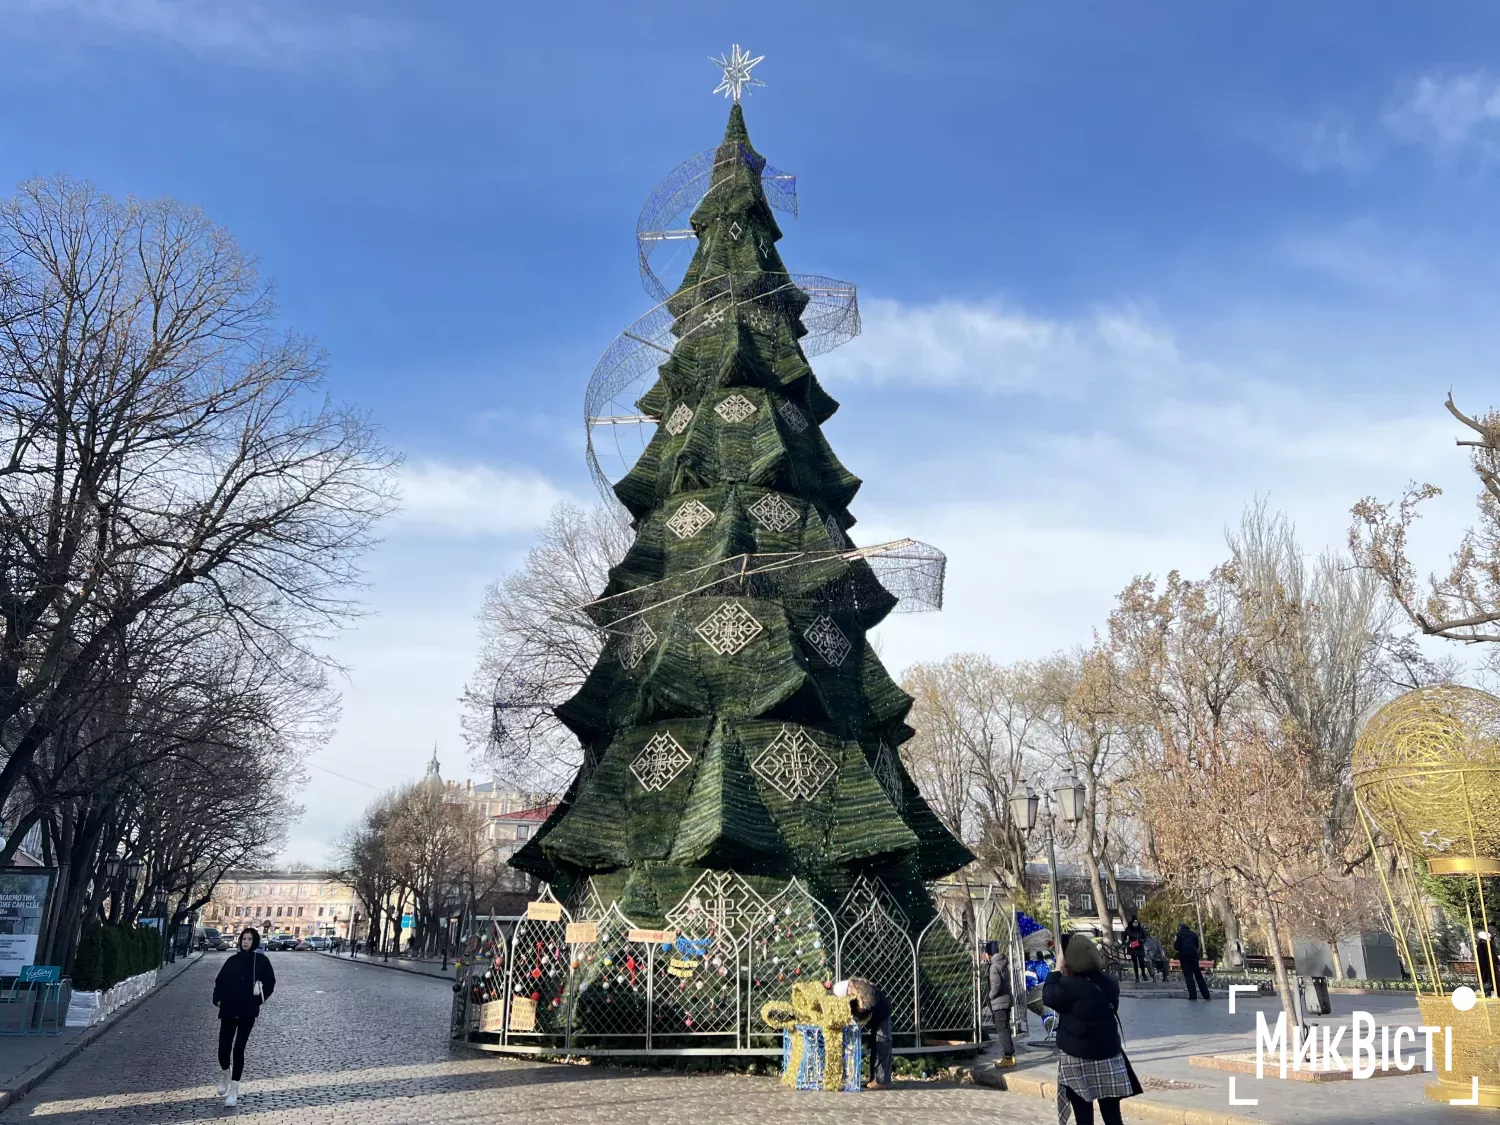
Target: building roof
539,813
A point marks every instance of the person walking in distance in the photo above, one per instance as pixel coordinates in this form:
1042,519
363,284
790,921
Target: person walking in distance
1188,951
1135,942
1091,1065
1001,999
244,982
869,1006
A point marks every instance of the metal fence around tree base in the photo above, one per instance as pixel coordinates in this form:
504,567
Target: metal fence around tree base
589,981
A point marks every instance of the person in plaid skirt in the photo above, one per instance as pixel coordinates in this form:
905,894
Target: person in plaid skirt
1091,1066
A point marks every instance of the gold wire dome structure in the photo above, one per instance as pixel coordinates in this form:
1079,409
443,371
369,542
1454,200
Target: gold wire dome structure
1426,773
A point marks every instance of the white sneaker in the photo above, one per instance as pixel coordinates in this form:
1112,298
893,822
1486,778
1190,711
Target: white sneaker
234,1094
223,1082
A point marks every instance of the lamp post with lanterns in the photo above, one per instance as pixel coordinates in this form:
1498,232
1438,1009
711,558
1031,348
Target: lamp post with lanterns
110,869
132,880
1026,808
159,909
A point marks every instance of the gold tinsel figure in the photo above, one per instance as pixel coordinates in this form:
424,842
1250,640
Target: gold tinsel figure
812,1004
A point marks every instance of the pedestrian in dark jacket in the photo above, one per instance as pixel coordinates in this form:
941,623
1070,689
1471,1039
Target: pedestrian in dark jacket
1001,999
1155,954
1484,961
1091,1066
870,1006
244,982
1135,944
1188,950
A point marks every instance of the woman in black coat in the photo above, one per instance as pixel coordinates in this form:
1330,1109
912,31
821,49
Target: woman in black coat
244,982
1092,1065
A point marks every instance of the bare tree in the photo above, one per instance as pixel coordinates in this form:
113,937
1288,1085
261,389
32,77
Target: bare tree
977,723
1464,604
1084,737
536,648
1237,810
1323,650
160,438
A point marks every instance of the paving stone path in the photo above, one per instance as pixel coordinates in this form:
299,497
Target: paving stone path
343,1044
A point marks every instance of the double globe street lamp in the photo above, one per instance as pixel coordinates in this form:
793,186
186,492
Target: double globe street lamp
1025,810
113,869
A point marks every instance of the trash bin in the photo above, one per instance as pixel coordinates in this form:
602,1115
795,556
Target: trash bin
1315,996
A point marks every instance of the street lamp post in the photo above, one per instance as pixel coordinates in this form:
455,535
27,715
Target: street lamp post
161,912
1025,805
132,878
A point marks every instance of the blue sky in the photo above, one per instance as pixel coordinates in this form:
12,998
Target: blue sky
1123,267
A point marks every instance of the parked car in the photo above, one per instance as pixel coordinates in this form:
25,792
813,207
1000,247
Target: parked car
317,944
211,938
280,943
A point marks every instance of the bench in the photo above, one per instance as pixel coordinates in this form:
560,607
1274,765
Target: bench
1176,966
1257,962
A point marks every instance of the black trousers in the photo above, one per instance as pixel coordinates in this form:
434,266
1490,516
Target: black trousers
1193,975
1004,1039
1138,962
232,1035
1083,1112
880,1061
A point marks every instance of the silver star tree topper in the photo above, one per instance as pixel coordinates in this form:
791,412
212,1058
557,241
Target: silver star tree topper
736,72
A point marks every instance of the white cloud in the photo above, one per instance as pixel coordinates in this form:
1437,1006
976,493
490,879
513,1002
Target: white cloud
268,33
474,499
995,348
1331,143
1045,515
1448,111
1359,255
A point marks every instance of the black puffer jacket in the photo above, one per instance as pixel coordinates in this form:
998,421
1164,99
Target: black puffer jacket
234,987
1085,1004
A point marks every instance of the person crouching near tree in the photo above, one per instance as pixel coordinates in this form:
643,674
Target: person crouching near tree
1092,1065
869,1006
245,980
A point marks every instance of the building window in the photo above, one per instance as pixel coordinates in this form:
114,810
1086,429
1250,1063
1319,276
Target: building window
522,831
320,912
1062,902
299,912
1140,901
1109,897
1085,902
278,912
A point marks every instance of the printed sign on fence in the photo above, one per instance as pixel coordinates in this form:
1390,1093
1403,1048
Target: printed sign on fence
582,933
492,1016
41,974
544,911
522,1013
681,968
652,937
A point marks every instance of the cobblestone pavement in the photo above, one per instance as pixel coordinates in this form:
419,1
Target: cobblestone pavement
342,1043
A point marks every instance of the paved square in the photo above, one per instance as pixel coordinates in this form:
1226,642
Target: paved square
357,1044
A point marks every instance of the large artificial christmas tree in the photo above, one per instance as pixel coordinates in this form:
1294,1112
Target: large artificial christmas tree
739,730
